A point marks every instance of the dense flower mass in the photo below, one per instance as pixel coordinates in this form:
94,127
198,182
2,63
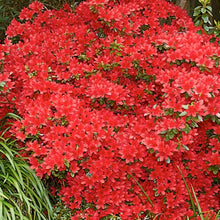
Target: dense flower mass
115,96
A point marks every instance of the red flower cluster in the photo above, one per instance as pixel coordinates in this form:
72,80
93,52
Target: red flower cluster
114,96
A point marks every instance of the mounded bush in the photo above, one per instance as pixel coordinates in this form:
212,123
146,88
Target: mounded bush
116,97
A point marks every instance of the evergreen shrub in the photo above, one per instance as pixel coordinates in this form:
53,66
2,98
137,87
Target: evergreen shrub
116,97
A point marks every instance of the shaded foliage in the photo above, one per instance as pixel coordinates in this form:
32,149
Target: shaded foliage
10,9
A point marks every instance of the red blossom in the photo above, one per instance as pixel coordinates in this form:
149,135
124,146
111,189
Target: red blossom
107,92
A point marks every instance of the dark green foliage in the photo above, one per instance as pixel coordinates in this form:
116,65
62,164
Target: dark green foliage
10,9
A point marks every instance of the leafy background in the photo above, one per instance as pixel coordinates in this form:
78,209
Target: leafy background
10,9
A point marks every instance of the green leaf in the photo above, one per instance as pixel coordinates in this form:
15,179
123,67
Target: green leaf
183,113
196,13
198,23
197,8
214,169
213,39
187,129
167,160
163,132
185,106
210,13
170,135
205,18
199,32
203,10
185,147
209,8
194,124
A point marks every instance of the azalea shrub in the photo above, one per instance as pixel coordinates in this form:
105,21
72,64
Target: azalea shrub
116,97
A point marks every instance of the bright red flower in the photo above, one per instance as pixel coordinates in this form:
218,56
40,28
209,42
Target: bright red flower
107,92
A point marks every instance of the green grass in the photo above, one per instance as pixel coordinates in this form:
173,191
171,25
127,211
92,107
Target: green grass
197,211
22,194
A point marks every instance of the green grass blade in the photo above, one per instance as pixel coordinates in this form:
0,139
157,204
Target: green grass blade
190,195
217,215
8,207
148,198
197,202
7,153
3,133
208,217
17,174
2,166
11,115
12,213
39,193
1,208
3,196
